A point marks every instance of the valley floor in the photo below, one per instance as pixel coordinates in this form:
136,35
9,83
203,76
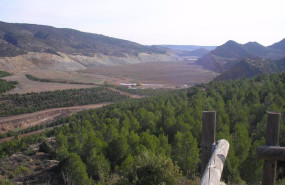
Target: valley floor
160,74
150,75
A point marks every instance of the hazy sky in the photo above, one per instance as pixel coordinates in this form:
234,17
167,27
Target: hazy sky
200,22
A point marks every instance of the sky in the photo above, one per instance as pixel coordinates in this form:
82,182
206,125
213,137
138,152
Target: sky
150,22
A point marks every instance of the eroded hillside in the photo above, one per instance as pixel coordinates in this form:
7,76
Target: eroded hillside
24,47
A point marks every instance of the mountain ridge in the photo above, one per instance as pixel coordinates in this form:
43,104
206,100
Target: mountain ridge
247,68
35,38
230,53
278,45
47,47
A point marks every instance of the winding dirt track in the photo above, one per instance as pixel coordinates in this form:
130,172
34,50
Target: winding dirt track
42,117
28,134
45,116
127,94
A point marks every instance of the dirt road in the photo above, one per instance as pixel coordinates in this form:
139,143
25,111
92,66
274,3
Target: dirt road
22,121
127,94
42,117
28,134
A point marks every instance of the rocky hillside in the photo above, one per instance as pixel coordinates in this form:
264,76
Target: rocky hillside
250,67
33,166
230,53
40,46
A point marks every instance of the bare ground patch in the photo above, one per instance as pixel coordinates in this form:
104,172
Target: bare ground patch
154,74
168,74
26,85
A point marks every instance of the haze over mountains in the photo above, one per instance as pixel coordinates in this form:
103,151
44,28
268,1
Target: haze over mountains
189,50
68,49
187,47
197,53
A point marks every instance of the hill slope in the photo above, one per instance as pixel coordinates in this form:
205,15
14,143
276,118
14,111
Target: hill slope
23,38
230,53
251,67
137,137
224,56
78,49
278,45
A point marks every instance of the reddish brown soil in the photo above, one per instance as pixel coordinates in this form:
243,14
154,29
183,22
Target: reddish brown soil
41,117
28,134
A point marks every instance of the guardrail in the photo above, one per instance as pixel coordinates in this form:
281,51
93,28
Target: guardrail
213,154
213,172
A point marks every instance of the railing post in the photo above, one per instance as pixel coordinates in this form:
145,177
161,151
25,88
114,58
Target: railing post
208,137
272,139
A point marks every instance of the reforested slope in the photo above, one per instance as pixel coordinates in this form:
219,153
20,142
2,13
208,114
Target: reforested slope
132,142
12,104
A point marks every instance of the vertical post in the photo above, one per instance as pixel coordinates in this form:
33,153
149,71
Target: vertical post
271,139
208,137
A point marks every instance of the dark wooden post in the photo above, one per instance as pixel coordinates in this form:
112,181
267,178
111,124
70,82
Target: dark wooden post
208,137
272,139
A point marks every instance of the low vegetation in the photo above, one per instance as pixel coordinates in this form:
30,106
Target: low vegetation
32,129
4,74
132,142
4,84
143,92
31,77
12,104
7,85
